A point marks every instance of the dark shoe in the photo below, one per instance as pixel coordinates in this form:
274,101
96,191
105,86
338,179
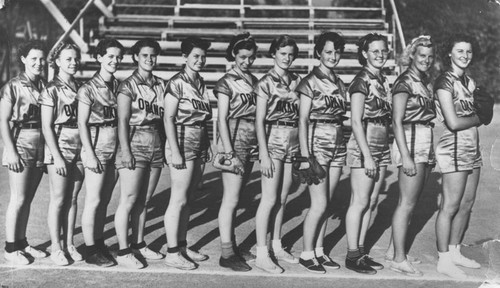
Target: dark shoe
248,256
359,265
312,265
99,259
327,262
234,263
369,261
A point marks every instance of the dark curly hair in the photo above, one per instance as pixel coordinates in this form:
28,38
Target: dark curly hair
238,42
25,48
454,39
106,43
283,41
338,42
192,42
146,42
364,43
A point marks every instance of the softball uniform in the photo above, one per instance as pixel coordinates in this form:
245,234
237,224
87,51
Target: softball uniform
62,98
328,106
376,118
101,97
282,114
26,122
241,114
193,112
457,150
420,111
146,121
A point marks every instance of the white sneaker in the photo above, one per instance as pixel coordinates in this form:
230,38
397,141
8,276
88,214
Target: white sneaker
266,264
35,253
405,268
193,255
178,261
285,256
74,254
16,258
148,254
446,266
460,259
59,258
129,261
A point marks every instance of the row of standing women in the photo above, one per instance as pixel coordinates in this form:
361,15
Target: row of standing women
280,116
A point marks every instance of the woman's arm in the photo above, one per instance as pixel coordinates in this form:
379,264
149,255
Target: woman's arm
452,121
399,101
266,164
224,133
357,111
304,111
171,106
51,139
124,102
91,162
14,161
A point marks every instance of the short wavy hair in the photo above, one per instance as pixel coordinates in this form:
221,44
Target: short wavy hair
104,44
364,43
283,41
191,42
337,39
454,39
146,42
238,42
411,49
25,48
56,53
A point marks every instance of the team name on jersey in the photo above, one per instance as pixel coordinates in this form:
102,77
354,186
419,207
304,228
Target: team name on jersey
109,112
466,105
33,112
426,102
382,105
70,110
335,103
285,106
200,105
150,107
248,98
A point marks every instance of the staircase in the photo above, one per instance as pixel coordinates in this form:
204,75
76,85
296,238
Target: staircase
170,21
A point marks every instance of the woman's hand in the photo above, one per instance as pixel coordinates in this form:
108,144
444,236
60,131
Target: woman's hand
238,165
178,161
94,165
128,160
370,167
267,166
14,162
409,167
60,165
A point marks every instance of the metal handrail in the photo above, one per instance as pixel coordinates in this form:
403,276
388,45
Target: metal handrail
399,28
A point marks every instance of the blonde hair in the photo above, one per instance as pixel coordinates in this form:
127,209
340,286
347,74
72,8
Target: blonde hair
422,40
57,52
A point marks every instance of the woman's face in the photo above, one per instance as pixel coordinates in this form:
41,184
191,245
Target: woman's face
110,61
461,55
244,59
195,61
283,57
68,61
330,56
34,62
146,59
376,56
422,59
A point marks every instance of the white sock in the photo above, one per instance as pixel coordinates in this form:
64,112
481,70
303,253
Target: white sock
262,251
307,255
276,243
319,251
454,248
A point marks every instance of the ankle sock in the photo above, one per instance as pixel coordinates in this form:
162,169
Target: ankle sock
92,249
138,246
276,244
262,251
307,255
175,249
362,250
227,249
10,247
319,251
353,254
124,252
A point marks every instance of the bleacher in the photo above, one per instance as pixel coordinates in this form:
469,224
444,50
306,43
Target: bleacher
170,21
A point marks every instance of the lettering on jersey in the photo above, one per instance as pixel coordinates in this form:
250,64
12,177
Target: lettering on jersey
335,103
109,112
33,112
247,98
150,107
426,103
467,105
70,110
288,107
382,105
200,105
